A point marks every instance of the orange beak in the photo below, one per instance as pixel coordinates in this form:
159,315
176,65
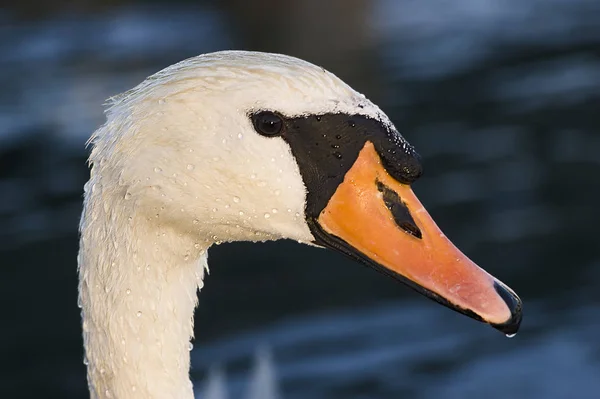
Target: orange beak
380,221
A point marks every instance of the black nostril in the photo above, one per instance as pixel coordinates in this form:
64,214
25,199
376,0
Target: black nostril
511,326
399,211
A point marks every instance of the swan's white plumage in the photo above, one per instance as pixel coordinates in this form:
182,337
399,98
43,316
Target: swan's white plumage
176,168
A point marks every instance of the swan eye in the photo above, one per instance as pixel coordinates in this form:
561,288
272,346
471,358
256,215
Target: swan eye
267,123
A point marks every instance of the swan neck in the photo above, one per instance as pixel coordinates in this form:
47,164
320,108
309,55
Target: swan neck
138,286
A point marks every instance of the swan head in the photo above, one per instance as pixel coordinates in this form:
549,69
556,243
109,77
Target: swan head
235,146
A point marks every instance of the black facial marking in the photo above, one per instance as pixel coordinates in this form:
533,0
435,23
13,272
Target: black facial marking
326,146
399,211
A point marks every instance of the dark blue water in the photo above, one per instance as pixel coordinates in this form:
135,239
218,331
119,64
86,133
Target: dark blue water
501,99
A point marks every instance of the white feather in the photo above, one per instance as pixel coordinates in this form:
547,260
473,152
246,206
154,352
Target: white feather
176,168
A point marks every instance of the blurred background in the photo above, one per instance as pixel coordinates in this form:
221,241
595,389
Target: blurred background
501,99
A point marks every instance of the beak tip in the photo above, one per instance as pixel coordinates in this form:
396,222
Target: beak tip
514,304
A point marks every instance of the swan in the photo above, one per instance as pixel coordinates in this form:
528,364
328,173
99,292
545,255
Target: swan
244,146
